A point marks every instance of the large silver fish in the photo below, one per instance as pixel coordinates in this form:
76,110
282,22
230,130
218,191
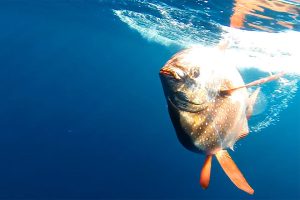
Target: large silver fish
209,107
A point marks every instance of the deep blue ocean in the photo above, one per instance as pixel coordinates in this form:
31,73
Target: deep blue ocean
83,114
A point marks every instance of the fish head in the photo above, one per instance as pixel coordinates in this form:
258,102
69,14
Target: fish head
184,82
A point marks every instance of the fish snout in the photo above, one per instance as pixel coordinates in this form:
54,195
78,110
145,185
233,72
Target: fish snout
172,72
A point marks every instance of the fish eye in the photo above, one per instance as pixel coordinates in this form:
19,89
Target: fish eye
194,72
179,72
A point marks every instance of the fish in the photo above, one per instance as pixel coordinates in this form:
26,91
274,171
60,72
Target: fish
209,106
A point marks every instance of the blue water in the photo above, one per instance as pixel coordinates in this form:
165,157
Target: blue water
83,115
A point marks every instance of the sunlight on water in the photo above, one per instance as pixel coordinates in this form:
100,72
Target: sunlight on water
268,52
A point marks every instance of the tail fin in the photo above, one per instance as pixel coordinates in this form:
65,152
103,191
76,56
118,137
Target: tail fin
205,173
233,171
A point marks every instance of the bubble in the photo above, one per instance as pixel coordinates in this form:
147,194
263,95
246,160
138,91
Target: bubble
278,100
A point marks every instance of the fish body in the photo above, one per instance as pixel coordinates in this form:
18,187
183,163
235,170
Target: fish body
209,106
205,120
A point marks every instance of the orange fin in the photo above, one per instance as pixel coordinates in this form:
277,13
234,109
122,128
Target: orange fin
251,103
257,82
233,171
265,80
205,172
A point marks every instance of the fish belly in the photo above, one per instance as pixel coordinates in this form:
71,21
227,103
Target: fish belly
219,126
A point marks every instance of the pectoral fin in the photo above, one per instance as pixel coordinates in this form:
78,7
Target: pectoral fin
254,83
205,173
233,172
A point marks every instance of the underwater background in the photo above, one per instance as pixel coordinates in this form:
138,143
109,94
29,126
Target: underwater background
83,115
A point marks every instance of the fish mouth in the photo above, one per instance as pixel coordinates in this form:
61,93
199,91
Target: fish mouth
165,71
172,72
